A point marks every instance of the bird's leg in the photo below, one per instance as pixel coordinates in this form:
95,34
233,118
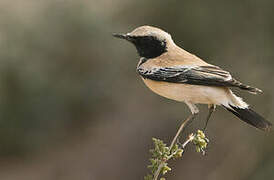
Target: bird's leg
211,108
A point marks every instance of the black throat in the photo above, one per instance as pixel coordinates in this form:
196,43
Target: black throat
149,46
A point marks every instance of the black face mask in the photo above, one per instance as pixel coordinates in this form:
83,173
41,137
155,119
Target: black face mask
148,46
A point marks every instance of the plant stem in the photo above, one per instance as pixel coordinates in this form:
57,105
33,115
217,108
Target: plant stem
157,173
180,130
190,138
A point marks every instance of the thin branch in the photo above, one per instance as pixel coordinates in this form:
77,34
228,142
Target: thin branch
157,173
183,125
190,138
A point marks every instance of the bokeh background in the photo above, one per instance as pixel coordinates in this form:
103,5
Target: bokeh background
73,107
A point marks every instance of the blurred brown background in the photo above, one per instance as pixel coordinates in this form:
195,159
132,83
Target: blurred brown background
73,107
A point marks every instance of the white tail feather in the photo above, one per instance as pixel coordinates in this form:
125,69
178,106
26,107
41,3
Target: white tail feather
235,101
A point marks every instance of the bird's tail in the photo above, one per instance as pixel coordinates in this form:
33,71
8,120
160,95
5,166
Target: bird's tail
242,111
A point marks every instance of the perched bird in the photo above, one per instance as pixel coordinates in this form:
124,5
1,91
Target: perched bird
176,74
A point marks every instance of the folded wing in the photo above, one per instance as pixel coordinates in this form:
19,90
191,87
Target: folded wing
195,75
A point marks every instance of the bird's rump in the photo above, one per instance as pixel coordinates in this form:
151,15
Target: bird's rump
195,75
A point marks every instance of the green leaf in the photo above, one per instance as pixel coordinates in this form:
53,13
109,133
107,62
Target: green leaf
165,169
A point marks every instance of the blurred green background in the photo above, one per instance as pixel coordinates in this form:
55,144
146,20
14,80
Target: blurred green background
73,107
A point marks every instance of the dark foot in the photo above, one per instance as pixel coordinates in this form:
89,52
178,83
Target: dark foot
211,110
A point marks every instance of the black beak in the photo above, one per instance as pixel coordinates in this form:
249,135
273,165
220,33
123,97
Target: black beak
121,36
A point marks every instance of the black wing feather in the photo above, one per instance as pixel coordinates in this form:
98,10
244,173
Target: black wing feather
195,75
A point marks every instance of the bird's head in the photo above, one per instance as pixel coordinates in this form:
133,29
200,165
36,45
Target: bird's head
149,41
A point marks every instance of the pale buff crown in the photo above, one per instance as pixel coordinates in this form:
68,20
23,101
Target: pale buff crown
152,31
